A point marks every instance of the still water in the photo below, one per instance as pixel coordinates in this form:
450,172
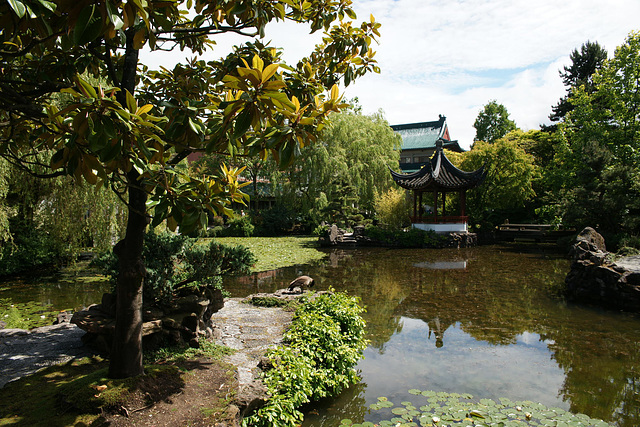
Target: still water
482,321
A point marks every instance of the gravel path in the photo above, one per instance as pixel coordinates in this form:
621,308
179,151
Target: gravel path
24,352
250,330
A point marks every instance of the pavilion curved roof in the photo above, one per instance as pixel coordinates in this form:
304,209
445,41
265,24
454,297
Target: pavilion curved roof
439,174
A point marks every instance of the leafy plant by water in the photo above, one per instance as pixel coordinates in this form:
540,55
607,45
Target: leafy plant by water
175,262
323,344
432,408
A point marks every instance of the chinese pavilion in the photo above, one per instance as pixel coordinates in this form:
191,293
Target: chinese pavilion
438,177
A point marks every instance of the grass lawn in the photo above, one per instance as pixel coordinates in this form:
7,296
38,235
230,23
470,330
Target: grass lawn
277,252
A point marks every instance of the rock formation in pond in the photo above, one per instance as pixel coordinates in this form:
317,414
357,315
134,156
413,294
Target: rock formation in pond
595,278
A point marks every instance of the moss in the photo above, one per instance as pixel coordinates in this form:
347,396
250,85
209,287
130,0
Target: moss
35,401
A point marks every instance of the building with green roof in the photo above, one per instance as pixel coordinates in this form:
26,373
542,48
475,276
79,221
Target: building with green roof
419,142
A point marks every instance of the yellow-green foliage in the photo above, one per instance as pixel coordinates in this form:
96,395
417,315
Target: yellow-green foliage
392,208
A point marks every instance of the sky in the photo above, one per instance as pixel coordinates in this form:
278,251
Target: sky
452,57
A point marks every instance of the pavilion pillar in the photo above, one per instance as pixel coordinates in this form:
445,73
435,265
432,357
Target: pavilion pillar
444,203
463,202
415,198
435,206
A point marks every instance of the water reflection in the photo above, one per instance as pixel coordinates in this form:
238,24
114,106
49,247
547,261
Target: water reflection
492,329
443,265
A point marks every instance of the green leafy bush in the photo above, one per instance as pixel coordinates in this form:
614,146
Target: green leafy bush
174,262
276,221
240,226
392,208
323,344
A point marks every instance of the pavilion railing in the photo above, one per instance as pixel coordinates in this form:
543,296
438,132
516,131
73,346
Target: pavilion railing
439,219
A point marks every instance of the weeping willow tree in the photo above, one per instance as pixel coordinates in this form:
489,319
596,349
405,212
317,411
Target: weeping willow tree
49,221
346,170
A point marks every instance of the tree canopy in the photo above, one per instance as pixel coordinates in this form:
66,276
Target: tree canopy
349,166
599,156
511,173
493,122
130,131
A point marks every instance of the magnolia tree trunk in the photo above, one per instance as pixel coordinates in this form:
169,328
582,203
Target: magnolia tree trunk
126,352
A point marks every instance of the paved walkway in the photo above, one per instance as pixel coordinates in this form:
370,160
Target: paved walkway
252,331
24,352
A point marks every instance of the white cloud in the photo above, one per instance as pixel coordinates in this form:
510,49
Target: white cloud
452,57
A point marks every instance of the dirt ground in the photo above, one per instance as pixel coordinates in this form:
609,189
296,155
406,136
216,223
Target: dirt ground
202,396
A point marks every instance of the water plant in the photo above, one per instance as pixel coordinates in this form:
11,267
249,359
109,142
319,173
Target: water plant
442,409
27,315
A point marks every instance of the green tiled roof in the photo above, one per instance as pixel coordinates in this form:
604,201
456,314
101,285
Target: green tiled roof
420,136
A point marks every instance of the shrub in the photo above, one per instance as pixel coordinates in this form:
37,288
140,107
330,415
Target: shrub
276,221
240,226
392,208
31,249
173,261
324,343
411,238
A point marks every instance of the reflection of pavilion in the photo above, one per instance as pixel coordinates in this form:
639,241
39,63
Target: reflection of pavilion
439,177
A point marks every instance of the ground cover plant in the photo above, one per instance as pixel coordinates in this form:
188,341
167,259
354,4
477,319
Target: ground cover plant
322,346
431,408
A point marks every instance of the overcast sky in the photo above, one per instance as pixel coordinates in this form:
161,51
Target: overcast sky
451,57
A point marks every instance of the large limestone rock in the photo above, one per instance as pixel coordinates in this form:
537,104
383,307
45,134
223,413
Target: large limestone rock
596,279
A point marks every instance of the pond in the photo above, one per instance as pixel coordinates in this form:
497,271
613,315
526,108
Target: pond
483,321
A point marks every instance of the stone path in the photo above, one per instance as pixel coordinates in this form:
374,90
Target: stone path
631,263
252,331
24,352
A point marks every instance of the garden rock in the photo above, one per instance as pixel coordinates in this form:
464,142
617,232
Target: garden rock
595,278
183,320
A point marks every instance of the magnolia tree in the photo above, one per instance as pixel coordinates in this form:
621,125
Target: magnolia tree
122,126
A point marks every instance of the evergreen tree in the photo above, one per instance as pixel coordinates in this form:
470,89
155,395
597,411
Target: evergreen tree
584,63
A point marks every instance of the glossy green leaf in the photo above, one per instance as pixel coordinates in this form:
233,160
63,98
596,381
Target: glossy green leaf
18,7
89,25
